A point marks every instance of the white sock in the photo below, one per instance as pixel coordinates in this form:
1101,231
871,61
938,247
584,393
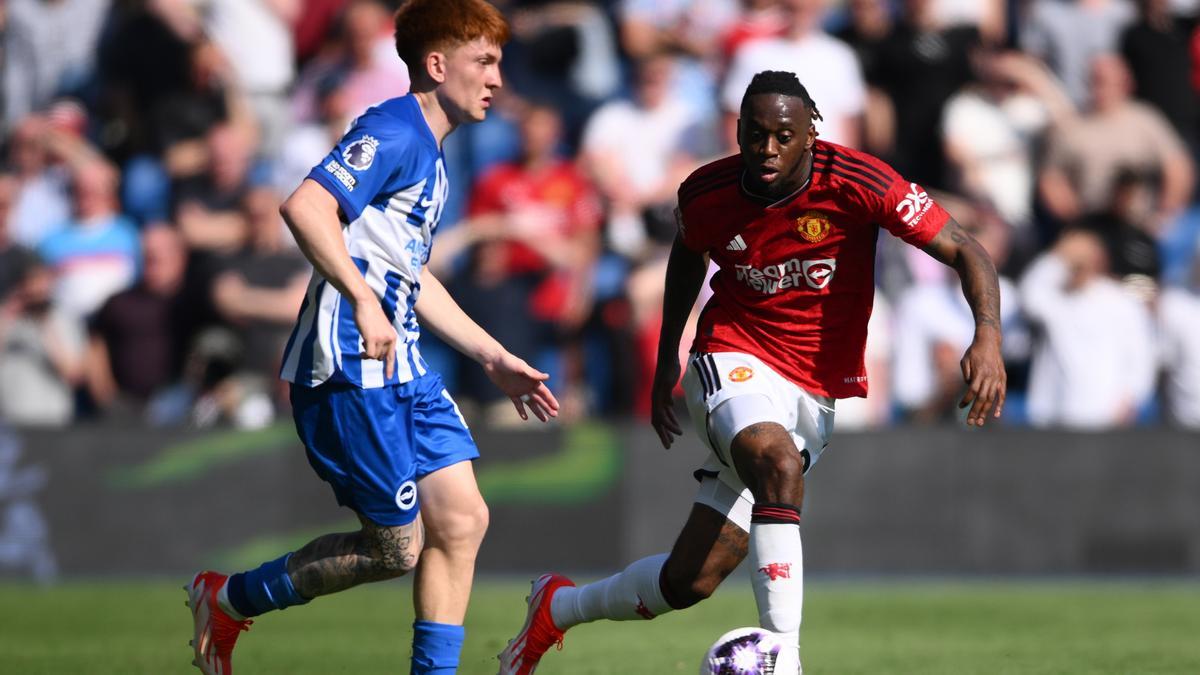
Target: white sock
225,605
631,594
777,574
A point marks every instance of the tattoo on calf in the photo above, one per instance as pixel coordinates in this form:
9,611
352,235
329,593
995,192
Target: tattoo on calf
336,562
735,540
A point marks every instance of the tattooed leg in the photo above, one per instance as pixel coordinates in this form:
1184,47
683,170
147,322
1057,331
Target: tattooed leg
335,562
708,549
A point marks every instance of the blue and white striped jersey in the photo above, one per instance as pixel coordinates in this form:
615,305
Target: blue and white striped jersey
389,178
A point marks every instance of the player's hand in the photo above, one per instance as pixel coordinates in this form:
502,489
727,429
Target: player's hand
662,401
983,371
524,385
378,335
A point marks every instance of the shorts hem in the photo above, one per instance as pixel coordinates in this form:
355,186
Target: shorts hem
447,461
397,519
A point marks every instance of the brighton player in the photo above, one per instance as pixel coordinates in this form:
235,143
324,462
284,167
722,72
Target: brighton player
377,424
792,224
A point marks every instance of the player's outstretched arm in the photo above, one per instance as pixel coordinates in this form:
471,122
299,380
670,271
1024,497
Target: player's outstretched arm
524,384
312,215
685,274
982,365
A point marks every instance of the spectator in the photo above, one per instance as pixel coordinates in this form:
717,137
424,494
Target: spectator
1156,48
535,230
41,200
866,31
757,20
363,55
686,29
311,141
13,256
1179,331
49,49
310,29
138,338
637,153
95,253
991,129
255,39
868,24
1125,227
258,290
825,65
1093,362
164,85
564,53
934,326
208,203
41,353
1084,156
1068,34
986,16
921,64
146,61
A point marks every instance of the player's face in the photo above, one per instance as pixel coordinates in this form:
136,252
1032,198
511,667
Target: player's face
472,78
774,134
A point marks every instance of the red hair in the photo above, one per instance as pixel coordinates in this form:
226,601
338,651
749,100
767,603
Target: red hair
424,26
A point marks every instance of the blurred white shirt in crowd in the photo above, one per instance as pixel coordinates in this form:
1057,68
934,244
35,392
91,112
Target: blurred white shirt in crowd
257,42
1094,363
933,313
996,138
1066,35
1179,326
49,49
645,140
42,204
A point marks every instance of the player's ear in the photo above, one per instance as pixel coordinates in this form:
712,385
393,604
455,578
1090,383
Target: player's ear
811,136
435,66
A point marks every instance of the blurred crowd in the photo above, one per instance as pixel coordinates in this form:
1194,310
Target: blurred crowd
146,275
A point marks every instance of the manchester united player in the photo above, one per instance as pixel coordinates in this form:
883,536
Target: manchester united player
792,224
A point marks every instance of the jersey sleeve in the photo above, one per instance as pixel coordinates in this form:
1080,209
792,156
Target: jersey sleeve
689,222
904,208
359,167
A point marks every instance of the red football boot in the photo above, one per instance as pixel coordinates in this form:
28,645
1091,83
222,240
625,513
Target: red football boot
215,632
523,653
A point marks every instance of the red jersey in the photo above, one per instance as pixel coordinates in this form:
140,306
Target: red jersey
797,277
562,204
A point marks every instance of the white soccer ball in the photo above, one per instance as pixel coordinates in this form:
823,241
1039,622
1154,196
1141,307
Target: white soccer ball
743,651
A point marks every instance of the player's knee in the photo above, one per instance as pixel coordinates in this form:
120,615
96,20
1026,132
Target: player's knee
464,528
775,469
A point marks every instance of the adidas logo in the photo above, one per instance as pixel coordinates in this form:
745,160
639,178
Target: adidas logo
736,244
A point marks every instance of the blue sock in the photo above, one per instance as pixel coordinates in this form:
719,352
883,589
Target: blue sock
263,589
436,647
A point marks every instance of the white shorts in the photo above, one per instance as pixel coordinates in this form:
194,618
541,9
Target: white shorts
729,391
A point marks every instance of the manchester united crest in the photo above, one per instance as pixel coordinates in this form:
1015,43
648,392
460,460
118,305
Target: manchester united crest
813,226
740,374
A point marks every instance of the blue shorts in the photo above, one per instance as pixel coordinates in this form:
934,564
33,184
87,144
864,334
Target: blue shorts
372,445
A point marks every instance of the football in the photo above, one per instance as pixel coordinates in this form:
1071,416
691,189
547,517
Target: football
742,651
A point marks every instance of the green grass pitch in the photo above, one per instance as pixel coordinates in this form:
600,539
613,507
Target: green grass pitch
917,627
